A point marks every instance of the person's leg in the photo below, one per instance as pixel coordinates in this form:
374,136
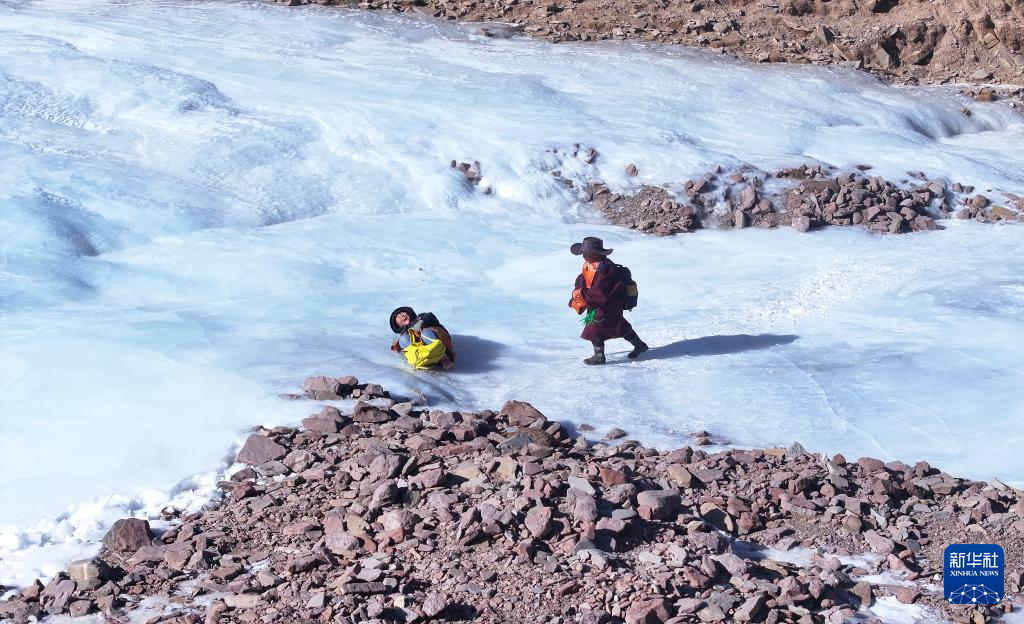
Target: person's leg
598,357
639,346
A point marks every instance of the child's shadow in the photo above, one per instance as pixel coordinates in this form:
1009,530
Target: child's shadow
475,355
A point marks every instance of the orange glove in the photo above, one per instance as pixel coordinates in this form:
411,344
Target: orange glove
577,303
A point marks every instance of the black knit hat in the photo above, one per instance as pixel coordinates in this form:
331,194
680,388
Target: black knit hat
394,326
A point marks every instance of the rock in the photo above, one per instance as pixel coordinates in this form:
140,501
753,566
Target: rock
661,503
59,593
681,476
434,604
732,564
982,74
1002,212
584,509
341,542
538,522
365,588
582,485
242,601
711,613
631,170
317,424
322,388
908,595
653,611
80,608
610,476
128,535
367,413
615,434
520,413
260,450
863,592
751,608
879,543
748,198
90,573
399,519
802,223
870,464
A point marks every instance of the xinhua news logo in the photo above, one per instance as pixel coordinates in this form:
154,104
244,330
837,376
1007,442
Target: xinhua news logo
974,573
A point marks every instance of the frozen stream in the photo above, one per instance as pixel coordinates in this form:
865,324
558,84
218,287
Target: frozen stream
202,203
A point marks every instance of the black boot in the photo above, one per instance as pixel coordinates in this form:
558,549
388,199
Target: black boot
598,357
639,346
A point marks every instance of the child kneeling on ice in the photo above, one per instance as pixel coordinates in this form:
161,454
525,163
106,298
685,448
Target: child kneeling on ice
424,342
602,291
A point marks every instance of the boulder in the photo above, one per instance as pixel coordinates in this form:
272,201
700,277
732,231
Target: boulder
321,388
654,611
661,503
89,573
260,449
538,522
520,413
128,535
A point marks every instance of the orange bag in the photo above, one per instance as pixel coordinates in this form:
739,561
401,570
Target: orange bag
577,303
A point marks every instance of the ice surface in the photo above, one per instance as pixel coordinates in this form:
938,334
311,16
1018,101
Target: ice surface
205,202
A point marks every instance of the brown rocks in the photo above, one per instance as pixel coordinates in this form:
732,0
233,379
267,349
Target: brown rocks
322,388
434,604
90,573
751,609
538,522
653,611
541,529
864,593
657,504
520,413
128,535
259,450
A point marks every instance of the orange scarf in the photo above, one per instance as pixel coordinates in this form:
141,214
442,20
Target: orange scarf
589,271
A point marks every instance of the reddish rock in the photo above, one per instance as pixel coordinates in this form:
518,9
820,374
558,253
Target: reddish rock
870,464
321,387
128,535
610,476
654,611
520,413
260,449
662,503
538,522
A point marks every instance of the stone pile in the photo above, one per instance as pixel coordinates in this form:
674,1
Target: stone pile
819,198
650,209
392,512
852,199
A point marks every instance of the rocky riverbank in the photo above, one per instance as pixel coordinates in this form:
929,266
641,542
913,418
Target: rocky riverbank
908,41
805,197
393,512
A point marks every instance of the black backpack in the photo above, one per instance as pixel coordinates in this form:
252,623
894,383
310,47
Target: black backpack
630,291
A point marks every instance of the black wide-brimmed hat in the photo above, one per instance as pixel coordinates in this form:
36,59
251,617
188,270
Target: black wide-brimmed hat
394,326
590,246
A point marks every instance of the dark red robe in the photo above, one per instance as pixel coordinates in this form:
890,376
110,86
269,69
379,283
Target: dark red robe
607,295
